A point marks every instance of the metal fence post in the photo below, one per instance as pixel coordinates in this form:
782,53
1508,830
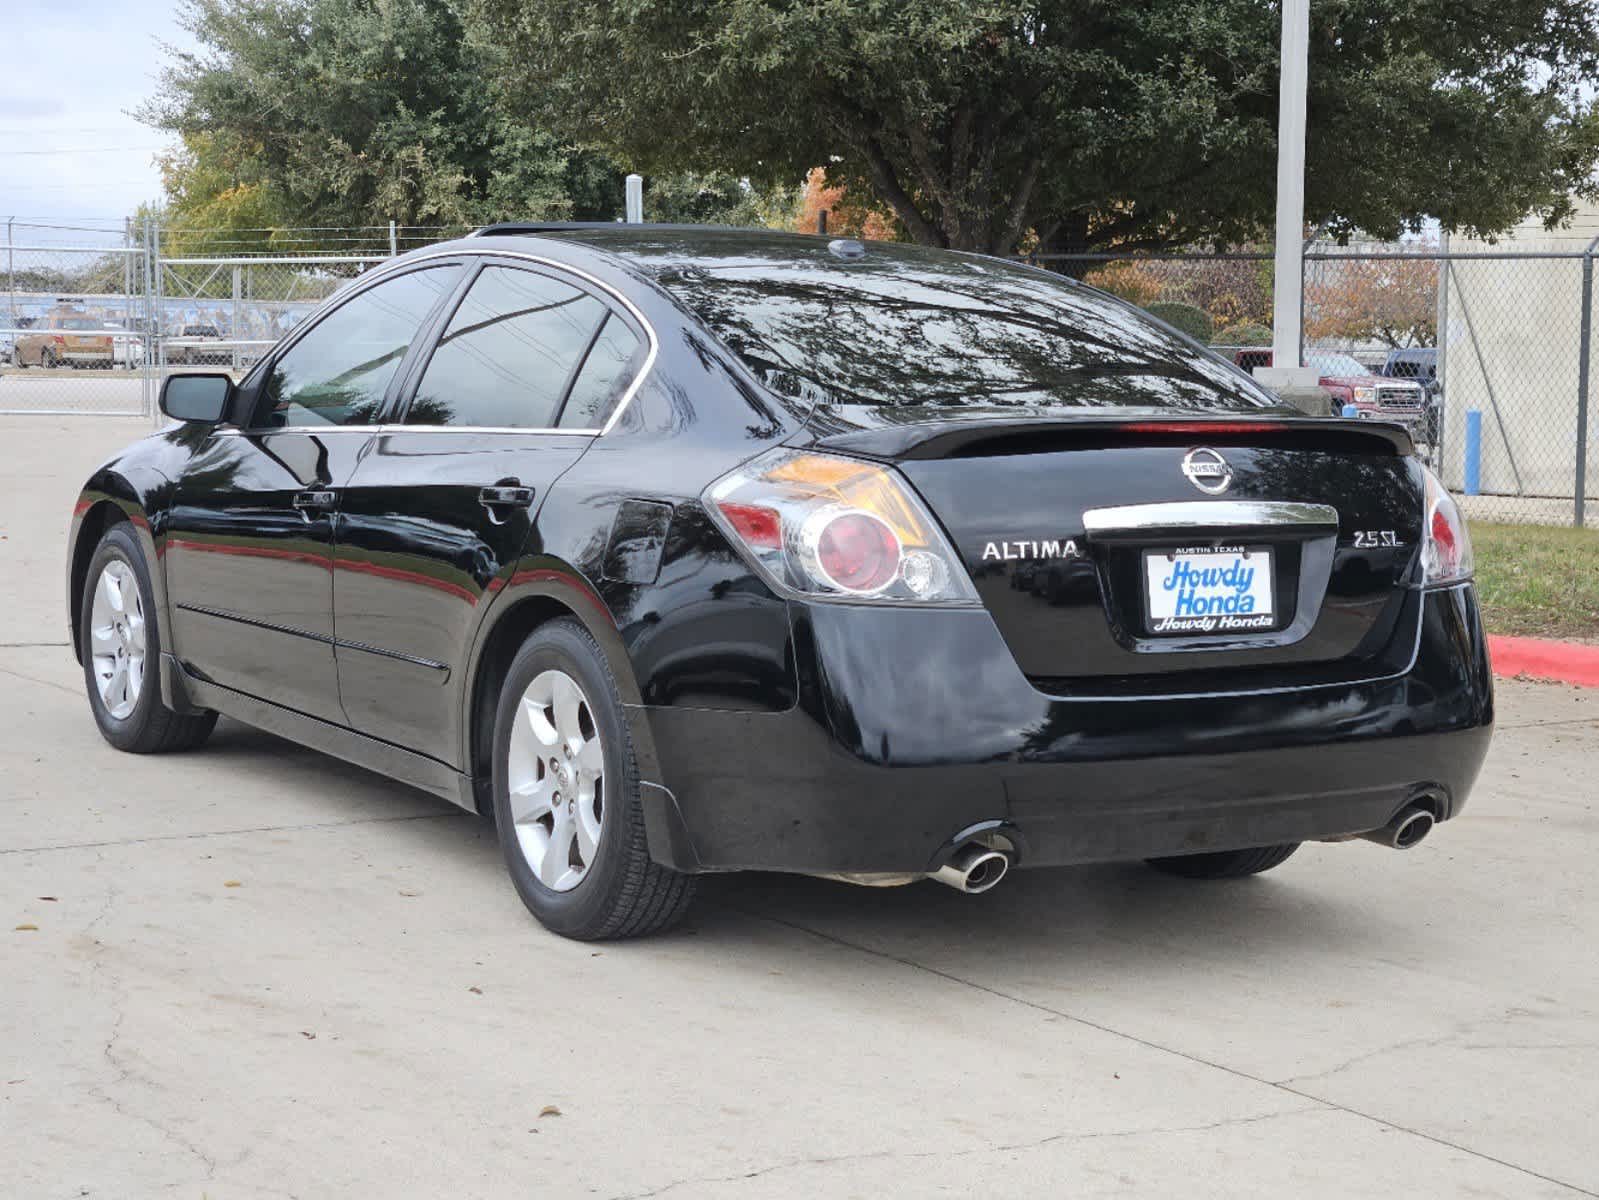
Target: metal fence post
1584,347
158,346
394,241
1441,352
11,270
148,396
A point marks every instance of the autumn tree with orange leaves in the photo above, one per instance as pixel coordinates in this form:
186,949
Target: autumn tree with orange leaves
846,217
1389,300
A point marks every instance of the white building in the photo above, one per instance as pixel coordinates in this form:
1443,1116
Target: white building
1511,354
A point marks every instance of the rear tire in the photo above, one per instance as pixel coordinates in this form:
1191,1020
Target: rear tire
574,842
119,637
1225,864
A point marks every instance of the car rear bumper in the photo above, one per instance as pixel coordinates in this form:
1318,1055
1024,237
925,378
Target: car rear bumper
915,726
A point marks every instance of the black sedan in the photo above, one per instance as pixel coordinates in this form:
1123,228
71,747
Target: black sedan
688,550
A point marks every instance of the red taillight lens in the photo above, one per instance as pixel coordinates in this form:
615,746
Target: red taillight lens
1444,537
760,527
58,339
858,552
1446,552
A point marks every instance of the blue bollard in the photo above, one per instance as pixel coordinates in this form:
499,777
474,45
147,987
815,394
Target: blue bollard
1473,452
1351,411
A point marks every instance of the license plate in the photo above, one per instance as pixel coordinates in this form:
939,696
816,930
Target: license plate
1195,591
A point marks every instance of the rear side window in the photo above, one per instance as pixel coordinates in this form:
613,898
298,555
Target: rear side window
606,372
510,354
905,327
338,373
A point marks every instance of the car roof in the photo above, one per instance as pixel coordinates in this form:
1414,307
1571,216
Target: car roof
652,249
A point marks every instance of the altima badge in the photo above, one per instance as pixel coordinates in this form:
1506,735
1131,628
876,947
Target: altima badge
1207,470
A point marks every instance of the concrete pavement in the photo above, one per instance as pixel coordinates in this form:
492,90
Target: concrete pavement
258,972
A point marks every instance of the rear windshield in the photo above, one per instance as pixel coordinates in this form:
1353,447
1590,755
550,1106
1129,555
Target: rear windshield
79,323
913,328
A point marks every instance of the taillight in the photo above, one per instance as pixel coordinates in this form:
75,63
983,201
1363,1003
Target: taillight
822,525
1446,545
58,339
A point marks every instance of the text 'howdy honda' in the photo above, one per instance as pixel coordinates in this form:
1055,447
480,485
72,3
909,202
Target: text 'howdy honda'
683,550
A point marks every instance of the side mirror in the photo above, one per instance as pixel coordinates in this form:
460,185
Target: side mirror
203,398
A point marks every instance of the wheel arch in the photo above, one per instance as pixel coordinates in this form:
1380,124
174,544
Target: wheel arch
112,498
540,590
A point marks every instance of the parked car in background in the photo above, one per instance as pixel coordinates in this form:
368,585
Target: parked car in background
1347,382
70,339
1419,363
8,346
195,345
128,348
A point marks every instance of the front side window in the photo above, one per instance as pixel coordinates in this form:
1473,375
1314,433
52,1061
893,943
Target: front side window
339,372
510,353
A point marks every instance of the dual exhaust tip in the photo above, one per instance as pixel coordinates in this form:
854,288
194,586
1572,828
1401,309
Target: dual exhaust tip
976,868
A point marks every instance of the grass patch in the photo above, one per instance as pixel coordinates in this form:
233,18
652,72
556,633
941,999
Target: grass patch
1537,581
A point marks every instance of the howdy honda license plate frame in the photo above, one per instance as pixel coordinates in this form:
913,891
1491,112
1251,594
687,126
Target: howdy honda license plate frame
1207,591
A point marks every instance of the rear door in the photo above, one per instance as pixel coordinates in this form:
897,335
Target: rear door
524,373
250,537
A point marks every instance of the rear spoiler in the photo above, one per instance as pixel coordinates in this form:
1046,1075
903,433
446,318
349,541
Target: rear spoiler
956,437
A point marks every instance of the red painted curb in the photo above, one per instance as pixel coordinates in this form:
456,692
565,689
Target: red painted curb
1540,658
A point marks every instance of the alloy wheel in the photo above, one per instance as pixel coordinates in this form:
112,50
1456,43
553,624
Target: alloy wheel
117,638
556,779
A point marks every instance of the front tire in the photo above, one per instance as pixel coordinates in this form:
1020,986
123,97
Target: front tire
1225,864
119,636
566,796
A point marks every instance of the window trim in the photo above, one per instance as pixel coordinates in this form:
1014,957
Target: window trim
473,260
364,283
613,301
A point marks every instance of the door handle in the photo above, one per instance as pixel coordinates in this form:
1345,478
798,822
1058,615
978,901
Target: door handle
503,495
315,501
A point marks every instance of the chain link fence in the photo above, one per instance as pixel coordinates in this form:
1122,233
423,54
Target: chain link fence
1485,353
74,322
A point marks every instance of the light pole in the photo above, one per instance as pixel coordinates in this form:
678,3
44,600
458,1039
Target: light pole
1285,374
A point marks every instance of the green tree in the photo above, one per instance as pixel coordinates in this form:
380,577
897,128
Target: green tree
992,124
344,113
354,113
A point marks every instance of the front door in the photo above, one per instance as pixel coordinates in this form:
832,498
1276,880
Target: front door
249,550
436,516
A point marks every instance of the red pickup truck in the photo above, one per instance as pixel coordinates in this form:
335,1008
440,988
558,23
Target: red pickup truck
1376,397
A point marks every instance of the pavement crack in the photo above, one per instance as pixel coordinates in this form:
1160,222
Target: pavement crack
110,1051
185,837
49,683
1281,1086
992,1148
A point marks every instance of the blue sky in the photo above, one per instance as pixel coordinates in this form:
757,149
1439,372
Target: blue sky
72,71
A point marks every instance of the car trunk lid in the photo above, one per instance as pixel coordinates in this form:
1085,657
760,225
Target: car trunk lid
1084,535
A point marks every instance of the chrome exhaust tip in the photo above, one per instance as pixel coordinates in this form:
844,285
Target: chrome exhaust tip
1406,830
973,869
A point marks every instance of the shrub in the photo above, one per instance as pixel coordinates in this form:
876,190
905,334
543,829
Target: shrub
1245,334
1195,322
